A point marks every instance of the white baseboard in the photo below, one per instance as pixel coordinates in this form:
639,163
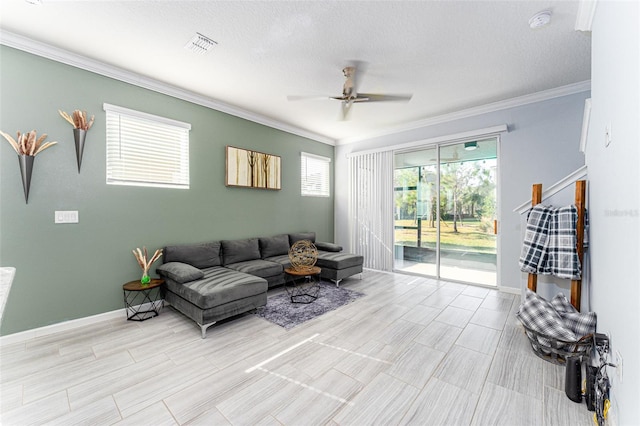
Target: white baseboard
510,290
23,336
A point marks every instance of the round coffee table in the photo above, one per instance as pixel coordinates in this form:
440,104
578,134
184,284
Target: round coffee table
303,285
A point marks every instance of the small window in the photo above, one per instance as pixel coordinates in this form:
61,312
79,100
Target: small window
146,150
315,172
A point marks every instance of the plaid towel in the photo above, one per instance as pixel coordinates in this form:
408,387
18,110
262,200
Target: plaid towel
562,259
549,246
536,239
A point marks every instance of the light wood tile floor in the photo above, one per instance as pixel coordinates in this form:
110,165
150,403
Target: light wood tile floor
412,351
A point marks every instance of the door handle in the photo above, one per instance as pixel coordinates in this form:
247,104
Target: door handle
495,226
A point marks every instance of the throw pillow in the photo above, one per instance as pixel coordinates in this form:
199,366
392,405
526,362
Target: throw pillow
334,248
274,246
234,251
539,315
180,272
201,256
561,304
311,236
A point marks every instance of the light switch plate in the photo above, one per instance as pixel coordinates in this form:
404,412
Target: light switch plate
66,216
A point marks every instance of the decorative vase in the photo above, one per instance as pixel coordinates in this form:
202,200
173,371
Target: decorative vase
146,279
79,136
26,168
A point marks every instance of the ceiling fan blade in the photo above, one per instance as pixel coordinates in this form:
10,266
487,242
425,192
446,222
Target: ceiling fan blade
306,98
373,97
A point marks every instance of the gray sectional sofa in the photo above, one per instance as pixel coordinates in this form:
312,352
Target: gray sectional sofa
209,282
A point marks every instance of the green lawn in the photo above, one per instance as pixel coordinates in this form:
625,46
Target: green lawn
469,236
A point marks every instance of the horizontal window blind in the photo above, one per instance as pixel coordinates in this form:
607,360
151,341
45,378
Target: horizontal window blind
315,175
146,150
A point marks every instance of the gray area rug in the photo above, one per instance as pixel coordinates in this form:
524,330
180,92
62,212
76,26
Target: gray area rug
279,309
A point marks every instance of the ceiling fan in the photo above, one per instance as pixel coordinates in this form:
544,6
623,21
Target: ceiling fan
350,94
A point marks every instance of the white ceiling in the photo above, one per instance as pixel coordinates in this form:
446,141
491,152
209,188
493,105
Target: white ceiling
452,55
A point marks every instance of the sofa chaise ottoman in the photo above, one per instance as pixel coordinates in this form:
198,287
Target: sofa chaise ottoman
334,264
200,288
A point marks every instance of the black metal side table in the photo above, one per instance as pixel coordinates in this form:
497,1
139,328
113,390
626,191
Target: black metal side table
307,288
143,301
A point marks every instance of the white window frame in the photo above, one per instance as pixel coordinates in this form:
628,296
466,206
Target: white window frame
145,149
315,186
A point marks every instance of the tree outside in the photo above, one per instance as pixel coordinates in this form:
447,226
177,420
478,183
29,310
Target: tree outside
467,205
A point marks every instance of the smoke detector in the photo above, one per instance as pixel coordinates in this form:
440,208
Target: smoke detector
200,44
540,19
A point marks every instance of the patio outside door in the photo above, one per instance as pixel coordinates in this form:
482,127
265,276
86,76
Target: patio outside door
445,211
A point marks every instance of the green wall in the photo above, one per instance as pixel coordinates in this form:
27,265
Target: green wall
69,271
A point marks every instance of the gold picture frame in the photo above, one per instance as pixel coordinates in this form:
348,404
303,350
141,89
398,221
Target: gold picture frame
252,169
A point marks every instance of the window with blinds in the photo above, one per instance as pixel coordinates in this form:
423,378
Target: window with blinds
315,175
146,150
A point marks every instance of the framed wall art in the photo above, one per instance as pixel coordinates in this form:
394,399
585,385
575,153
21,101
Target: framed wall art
252,169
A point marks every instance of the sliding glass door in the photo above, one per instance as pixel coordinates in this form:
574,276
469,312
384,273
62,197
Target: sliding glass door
415,203
445,211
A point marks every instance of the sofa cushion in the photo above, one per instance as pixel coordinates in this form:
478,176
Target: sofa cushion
234,251
201,256
258,267
274,246
218,287
311,236
321,245
283,260
338,260
180,272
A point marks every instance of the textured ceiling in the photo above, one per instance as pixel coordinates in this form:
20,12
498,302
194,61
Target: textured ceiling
451,55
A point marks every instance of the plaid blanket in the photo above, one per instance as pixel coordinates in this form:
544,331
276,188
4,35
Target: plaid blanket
549,246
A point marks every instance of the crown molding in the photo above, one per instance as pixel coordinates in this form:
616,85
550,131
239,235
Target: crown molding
69,58
544,95
47,51
584,17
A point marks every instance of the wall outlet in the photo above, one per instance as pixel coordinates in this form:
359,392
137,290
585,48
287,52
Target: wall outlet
66,216
618,362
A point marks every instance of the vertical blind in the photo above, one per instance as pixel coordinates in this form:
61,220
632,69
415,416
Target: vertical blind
315,175
146,150
371,208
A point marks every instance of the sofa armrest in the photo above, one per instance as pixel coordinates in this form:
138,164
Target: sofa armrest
320,245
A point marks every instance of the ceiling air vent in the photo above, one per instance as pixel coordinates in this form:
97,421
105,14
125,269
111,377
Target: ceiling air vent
200,44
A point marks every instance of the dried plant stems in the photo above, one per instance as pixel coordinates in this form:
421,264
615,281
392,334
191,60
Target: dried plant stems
142,255
78,119
27,144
